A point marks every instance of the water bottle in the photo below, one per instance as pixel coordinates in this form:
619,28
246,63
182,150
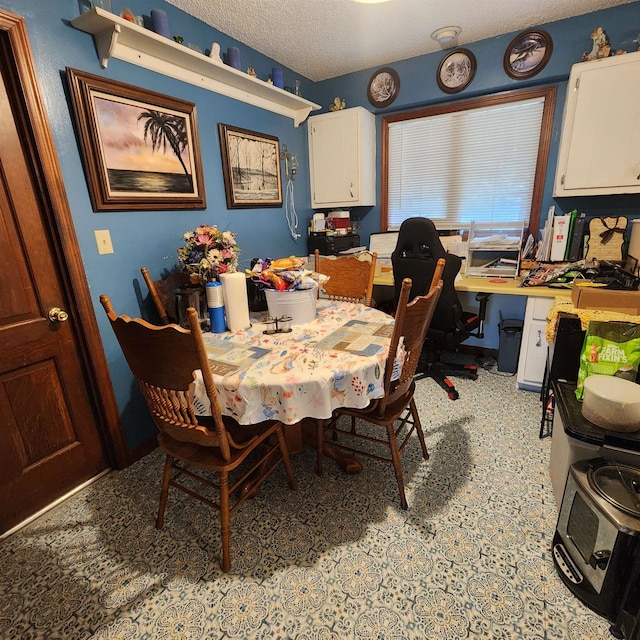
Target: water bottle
215,304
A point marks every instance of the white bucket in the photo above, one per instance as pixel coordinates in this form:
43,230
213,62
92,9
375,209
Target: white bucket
299,304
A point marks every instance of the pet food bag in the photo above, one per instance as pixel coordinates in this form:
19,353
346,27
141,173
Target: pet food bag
609,348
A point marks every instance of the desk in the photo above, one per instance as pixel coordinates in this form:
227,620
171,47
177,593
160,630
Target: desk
502,286
533,350
335,361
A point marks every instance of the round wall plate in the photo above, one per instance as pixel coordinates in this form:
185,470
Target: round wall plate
527,54
383,87
456,71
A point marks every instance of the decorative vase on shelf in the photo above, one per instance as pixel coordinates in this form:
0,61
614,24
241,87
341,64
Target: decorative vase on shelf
160,22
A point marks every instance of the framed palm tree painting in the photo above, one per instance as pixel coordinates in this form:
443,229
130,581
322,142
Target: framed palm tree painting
140,149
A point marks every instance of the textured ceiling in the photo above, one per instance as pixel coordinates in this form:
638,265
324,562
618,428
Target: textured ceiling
322,39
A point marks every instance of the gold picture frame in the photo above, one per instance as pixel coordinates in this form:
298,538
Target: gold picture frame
140,149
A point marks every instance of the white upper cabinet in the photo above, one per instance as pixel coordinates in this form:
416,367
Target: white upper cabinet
342,159
600,144
116,37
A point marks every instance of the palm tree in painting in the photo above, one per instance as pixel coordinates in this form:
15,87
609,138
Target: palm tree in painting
163,129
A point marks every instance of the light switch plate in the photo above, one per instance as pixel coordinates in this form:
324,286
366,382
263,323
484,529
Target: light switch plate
103,240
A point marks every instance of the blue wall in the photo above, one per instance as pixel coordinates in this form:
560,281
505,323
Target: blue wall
418,88
151,237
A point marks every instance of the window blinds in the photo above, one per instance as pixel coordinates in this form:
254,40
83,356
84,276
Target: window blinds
458,167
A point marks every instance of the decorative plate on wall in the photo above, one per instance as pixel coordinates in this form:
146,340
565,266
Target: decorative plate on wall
383,88
456,71
527,54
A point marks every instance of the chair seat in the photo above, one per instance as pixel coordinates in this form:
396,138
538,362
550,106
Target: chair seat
210,457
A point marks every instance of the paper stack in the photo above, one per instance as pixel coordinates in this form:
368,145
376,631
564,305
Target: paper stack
544,246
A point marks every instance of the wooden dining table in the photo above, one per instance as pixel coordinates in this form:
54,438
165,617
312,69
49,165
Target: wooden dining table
300,377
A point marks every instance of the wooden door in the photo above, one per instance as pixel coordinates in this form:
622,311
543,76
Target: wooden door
50,439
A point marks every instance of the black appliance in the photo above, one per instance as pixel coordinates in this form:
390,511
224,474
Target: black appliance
332,245
628,622
597,541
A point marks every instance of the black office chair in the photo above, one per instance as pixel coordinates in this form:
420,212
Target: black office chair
415,256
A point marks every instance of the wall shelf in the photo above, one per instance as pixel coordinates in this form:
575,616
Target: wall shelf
118,38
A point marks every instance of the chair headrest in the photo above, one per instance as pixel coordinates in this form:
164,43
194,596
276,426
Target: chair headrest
418,238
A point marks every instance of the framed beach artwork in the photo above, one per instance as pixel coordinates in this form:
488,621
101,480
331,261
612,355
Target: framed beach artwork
140,149
251,168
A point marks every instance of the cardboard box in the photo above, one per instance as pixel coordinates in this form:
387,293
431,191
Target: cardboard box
606,299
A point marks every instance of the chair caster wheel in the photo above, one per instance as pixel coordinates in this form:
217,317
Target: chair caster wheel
453,395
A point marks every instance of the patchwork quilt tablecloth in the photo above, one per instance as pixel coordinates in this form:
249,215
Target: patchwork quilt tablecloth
335,361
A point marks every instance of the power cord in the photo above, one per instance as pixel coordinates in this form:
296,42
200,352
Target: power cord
290,210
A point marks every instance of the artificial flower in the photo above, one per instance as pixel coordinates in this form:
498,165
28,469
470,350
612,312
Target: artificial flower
208,252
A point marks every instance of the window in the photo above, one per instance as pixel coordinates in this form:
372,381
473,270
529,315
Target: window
480,160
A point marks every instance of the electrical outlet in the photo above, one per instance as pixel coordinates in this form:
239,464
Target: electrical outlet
103,240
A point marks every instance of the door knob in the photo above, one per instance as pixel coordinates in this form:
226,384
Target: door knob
58,315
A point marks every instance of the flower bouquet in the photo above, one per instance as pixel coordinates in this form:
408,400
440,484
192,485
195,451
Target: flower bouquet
208,252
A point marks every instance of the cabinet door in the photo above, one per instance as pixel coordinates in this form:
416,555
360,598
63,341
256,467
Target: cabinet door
334,150
342,159
600,145
533,351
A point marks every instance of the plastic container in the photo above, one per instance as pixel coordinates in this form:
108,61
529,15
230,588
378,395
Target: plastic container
215,304
299,304
612,403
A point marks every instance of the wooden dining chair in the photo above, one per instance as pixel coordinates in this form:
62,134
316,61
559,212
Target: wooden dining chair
398,404
350,279
163,295
163,359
